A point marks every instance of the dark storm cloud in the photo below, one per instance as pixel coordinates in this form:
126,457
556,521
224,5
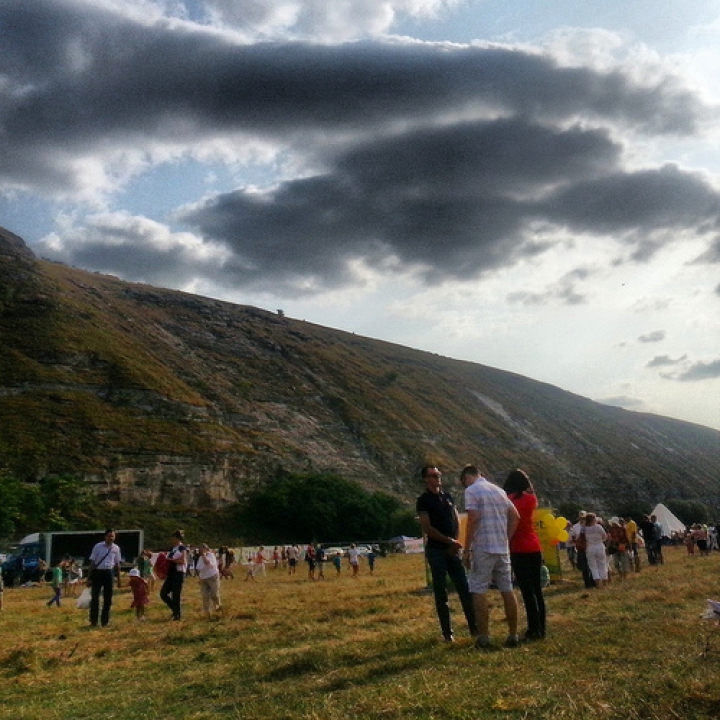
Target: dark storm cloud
398,181
78,77
645,201
456,200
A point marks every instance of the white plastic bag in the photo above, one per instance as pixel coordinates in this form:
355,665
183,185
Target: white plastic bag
83,602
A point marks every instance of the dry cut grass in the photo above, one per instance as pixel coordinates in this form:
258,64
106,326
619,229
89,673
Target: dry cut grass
369,648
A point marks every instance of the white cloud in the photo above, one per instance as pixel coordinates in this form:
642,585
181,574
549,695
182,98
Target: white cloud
318,20
136,248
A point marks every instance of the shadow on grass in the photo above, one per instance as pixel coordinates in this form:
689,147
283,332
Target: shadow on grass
337,671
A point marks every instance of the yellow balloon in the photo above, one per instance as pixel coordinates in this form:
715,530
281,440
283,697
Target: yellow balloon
563,535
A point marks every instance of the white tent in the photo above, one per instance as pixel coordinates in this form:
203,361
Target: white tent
668,522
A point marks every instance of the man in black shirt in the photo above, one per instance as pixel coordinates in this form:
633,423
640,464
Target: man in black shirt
441,525
649,533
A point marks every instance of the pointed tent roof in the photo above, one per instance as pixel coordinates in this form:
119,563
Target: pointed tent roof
669,522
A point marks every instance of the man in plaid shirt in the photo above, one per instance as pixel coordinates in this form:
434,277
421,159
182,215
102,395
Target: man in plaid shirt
492,520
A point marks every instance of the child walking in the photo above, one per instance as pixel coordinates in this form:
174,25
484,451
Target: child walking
56,584
141,594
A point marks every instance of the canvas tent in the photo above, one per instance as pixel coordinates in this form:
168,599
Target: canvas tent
668,521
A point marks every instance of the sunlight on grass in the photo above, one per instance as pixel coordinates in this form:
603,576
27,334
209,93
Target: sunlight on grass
369,648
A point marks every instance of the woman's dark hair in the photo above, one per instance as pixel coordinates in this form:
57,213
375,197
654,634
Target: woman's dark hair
179,535
517,483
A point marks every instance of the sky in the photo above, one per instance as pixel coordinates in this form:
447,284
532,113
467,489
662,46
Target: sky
532,185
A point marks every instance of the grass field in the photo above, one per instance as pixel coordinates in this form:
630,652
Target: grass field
369,648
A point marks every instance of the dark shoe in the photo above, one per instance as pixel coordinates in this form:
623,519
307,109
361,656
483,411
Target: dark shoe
512,641
449,638
483,643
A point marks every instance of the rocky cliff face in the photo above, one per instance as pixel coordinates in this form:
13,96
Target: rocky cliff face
156,397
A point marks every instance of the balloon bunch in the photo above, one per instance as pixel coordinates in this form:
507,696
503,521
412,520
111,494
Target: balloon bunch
550,529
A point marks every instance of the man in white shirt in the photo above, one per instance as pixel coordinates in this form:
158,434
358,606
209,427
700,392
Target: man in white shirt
492,520
104,564
292,553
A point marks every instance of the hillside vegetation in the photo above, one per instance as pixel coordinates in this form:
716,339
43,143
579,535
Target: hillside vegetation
156,397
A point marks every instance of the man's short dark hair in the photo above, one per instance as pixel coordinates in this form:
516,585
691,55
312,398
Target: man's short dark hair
469,470
425,469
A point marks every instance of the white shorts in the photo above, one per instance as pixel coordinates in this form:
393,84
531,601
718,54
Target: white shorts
487,569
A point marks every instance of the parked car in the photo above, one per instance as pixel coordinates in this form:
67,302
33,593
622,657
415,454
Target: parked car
332,551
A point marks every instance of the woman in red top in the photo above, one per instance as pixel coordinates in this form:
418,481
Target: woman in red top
526,553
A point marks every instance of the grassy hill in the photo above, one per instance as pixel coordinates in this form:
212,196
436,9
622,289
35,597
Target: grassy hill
156,396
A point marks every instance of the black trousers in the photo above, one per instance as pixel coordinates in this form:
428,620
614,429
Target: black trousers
442,565
584,569
102,581
528,574
172,590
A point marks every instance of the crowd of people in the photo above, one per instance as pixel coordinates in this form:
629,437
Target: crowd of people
502,550
173,566
601,549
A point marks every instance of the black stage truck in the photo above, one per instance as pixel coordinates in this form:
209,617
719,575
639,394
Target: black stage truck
24,565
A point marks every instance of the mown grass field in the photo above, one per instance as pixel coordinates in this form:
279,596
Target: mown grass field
369,648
